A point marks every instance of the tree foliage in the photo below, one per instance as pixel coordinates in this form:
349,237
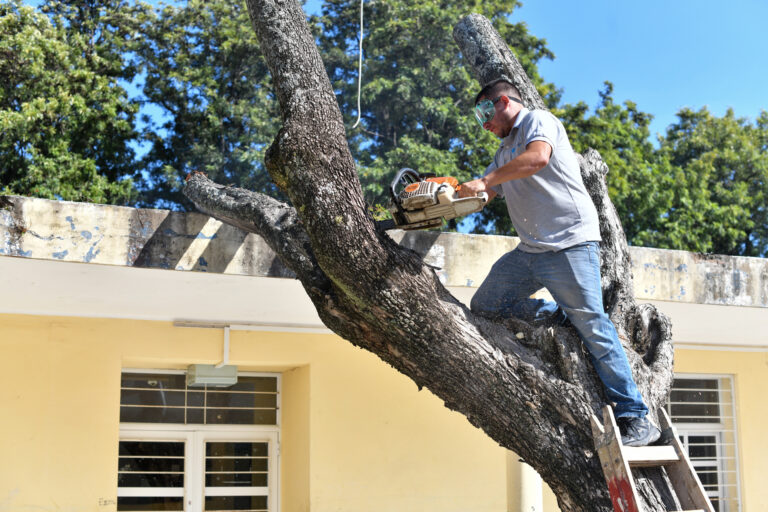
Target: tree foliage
417,95
70,128
639,181
65,121
720,168
703,189
205,74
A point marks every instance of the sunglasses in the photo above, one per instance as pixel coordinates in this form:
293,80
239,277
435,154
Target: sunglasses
485,109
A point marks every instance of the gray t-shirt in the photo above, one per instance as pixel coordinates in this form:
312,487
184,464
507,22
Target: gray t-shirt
550,210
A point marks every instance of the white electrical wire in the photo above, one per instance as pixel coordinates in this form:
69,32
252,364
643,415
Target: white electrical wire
359,67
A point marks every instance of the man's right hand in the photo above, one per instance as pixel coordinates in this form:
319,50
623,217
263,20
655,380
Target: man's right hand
475,187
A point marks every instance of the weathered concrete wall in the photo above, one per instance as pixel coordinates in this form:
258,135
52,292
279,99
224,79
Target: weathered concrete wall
42,229
113,235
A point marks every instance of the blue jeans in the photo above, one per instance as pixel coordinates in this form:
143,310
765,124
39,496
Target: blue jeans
572,277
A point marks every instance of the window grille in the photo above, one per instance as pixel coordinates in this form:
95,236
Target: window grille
236,476
197,449
150,475
703,411
166,398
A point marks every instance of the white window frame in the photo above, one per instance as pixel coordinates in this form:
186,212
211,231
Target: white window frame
716,429
194,437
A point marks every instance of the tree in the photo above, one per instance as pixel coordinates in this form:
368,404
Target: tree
206,75
720,168
702,190
416,108
534,397
65,122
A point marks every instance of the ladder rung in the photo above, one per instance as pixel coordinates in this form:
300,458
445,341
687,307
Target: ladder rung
645,456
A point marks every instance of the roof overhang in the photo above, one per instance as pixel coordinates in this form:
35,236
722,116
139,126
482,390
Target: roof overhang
69,289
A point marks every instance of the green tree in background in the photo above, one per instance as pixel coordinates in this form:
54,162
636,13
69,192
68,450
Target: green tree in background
65,122
417,95
703,189
205,73
68,128
721,165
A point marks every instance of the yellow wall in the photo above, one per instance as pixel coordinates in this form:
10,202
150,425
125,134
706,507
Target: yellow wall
356,434
750,371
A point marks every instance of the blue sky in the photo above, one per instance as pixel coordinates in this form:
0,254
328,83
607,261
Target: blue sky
663,55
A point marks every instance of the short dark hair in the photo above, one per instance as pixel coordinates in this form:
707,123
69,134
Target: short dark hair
498,87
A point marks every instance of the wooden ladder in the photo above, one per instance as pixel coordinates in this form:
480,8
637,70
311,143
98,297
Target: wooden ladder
617,460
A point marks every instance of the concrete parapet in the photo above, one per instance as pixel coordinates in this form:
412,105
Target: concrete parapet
111,235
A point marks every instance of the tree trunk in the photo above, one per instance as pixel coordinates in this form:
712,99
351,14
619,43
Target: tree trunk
533,395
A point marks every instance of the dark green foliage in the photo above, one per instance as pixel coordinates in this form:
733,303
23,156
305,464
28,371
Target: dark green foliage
65,122
205,72
639,181
721,184
702,190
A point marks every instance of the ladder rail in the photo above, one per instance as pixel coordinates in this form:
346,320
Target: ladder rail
687,484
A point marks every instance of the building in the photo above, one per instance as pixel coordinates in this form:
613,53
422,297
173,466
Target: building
103,309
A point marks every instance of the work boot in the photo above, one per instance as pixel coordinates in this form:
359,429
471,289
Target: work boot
637,431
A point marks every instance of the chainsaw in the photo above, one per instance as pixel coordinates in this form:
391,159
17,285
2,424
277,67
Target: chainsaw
423,201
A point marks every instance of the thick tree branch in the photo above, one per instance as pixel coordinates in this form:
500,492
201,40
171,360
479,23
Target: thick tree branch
489,57
528,388
276,222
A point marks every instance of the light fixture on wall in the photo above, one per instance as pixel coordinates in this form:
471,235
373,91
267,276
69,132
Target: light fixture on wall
211,375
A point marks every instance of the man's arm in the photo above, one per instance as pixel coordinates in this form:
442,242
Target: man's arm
529,162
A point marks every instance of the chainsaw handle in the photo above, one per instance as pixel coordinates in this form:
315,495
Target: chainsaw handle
481,195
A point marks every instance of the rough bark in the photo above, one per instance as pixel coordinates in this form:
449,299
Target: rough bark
533,395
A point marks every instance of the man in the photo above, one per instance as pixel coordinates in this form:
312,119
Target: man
536,171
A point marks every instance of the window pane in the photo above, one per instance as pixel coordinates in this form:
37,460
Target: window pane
151,465
702,447
196,416
224,399
150,480
131,414
153,380
702,409
165,398
696,413
236,449
152,397
708,476
240,417
695,401
157,448
236,503
691,383
140,503
195,398
236,464
255,384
